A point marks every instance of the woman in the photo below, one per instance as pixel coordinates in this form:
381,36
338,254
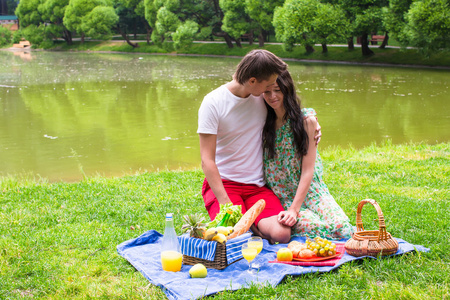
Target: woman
293,168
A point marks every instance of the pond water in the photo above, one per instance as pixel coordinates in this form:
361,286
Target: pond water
63,115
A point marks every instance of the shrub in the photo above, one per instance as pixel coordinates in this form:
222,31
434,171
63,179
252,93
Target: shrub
5,36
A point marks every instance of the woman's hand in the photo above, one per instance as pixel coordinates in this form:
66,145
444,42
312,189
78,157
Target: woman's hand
287,218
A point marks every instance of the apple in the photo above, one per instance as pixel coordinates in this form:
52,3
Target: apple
284,254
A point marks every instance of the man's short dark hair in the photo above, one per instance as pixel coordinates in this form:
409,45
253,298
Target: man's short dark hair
260,64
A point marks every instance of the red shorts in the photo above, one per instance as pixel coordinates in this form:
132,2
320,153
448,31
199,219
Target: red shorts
245,195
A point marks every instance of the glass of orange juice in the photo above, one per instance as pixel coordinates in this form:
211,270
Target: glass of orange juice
249,253
171,260
257,243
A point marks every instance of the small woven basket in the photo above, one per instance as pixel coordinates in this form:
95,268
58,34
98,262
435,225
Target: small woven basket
371,242
219,263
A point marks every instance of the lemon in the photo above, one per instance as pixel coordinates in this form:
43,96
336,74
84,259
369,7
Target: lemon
198,271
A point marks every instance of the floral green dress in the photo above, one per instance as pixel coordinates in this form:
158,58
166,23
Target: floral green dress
319,215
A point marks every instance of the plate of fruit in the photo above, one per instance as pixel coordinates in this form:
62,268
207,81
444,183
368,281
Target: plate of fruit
316,249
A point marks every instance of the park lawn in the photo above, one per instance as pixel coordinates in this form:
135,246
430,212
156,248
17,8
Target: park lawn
58,240
394,56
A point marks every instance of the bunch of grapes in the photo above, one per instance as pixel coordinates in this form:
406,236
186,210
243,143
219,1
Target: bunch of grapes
321,247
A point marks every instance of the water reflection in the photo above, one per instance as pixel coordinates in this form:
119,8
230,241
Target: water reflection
65,114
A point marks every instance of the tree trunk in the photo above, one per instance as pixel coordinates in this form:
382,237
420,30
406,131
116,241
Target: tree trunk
324,48
149,31
226,37
365,46
82,38
351,44
385,41
261,39
238,42
67,36
309,49
126,38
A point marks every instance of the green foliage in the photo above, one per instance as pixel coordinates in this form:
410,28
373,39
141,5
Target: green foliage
5,36
394,21
261,11
94,18
428,24
235,20
27,12
184,35
329,25
75,12
34,34
98,23
370,20
17,36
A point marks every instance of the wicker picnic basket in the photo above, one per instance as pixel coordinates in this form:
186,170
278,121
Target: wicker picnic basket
219,263
371,242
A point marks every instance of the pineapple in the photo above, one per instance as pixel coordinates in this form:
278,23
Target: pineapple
194,225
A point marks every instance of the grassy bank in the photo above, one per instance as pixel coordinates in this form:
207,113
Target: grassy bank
58,240
393,56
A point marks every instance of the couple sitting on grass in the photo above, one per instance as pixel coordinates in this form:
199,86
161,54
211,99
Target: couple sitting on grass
257,143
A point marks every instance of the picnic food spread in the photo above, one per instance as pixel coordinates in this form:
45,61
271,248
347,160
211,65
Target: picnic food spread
230,223
317,247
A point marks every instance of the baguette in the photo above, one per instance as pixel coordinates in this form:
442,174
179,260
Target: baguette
243,225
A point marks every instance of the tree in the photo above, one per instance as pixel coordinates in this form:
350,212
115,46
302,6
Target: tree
171,21
28,14
53,12
428,25
235,21
366,22
80,14
394,19
261,11
364,17
329,25
183,36
293,23
98,23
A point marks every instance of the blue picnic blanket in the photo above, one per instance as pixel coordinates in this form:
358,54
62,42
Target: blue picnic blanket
143,253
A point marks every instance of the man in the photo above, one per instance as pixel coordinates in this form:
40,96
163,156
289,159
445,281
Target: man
231,119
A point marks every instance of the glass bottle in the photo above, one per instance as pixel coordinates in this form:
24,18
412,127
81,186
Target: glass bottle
171,257
225,218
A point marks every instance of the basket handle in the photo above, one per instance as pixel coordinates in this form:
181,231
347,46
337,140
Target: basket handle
382,235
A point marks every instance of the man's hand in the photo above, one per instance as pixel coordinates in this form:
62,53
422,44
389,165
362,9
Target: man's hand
318,133
287,218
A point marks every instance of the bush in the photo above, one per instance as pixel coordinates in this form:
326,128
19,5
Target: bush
5,36
17,36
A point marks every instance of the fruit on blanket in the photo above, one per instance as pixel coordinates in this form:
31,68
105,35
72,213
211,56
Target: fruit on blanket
210,233
220,238
321,247
198,271
194,225
284,254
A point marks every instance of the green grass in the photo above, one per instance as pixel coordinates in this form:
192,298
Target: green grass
58,240
393,56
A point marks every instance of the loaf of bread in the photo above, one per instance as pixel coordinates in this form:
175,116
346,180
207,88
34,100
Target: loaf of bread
243,225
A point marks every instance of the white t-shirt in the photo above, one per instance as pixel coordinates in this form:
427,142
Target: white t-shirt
238,124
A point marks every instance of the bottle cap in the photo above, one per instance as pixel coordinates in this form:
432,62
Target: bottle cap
169,215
